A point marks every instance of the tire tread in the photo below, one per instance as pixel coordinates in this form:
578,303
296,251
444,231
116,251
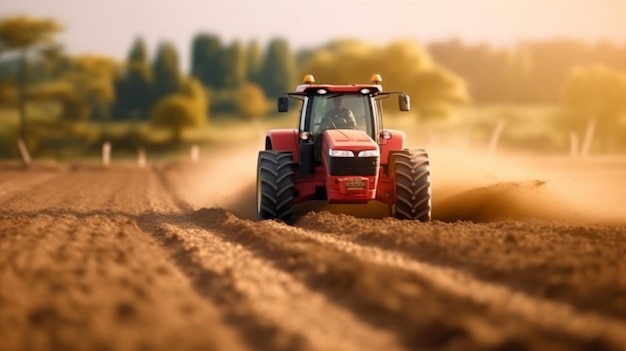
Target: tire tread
411,171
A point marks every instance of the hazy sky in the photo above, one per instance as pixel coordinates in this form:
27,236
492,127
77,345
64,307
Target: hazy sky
110,26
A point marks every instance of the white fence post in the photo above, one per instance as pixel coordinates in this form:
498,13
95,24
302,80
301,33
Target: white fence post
106,154
495,137
195,153
141,159
24,152
591,128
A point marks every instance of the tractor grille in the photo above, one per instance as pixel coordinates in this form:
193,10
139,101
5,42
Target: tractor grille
355,166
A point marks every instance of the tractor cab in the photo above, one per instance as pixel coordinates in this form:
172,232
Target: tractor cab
341,154
318,101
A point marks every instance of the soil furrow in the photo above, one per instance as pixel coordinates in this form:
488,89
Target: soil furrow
262,298
80,193
271,309
393,298
168,207
547,314
18,184
171,190
546,260
95,283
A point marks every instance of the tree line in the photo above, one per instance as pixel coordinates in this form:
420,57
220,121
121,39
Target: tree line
238,79
226,72
227,79
529,72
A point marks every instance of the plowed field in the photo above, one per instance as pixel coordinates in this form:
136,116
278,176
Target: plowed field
524,254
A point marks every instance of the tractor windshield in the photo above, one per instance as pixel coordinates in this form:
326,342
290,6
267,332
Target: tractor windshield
350,111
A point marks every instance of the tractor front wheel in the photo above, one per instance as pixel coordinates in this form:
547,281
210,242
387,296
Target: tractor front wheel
410,170
275,185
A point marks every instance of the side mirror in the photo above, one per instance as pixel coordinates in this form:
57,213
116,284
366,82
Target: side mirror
404,102
283,104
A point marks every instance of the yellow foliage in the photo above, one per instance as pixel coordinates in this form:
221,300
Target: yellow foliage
175,112
404,66
21,32
74,107
96,65
93,77
87,83
251,101
51,91
194,90
595,92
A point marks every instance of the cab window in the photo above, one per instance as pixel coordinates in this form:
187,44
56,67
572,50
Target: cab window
357,103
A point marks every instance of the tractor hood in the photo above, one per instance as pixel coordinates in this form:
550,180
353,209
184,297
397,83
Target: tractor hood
348,139
354,153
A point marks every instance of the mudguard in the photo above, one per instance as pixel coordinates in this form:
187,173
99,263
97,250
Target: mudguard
396,142
283,140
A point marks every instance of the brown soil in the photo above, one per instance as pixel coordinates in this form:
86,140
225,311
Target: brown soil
527,255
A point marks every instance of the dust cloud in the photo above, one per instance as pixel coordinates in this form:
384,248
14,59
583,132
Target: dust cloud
467,185
472,186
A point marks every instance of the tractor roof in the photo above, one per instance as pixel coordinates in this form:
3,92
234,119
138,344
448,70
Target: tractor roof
321,89
331,88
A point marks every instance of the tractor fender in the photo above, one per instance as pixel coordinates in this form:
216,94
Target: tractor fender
283,140
396,142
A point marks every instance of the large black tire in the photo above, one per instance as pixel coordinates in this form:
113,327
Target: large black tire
275,189
410,170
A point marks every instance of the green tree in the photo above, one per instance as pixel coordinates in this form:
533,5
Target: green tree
206,60
73,107
21,34
134,85
234,63
93,79
278,68
176,112
83,89
166,72
254,62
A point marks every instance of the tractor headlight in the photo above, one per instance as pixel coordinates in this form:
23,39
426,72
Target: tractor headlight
340,153
369,153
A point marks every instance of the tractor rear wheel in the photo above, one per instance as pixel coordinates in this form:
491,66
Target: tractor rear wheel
410,170
275,185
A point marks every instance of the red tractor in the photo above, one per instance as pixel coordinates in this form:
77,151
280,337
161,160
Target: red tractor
343,157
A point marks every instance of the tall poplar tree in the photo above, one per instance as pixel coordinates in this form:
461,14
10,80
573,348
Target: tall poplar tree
206,60
165,68
234,62
134,86
254,62
278,69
